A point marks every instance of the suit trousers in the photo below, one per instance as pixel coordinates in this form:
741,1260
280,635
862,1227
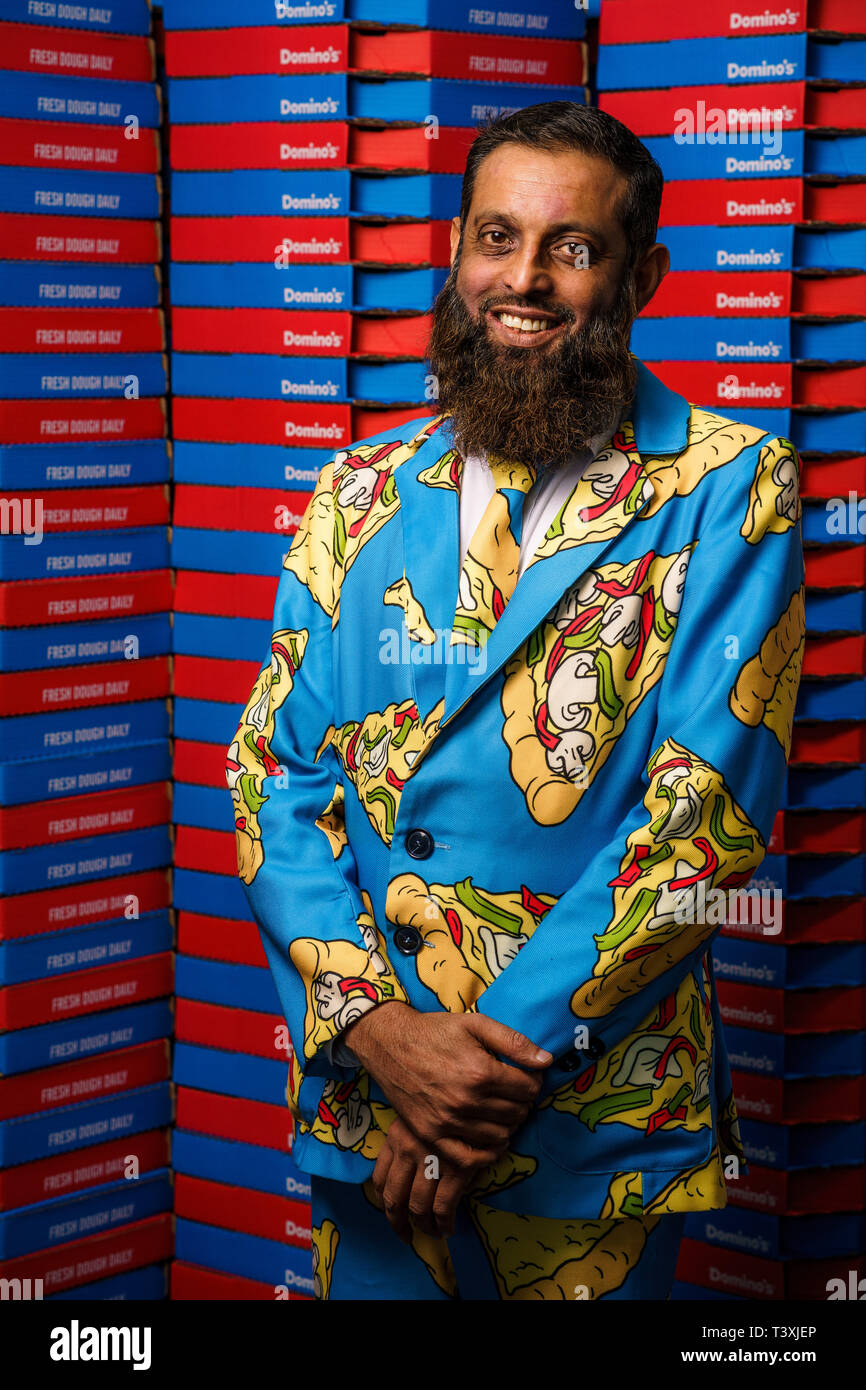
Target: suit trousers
493,1254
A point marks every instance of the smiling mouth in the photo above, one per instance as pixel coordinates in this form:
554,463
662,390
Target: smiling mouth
525,321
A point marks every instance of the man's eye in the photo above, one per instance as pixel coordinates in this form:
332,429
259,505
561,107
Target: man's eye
576,251
498,238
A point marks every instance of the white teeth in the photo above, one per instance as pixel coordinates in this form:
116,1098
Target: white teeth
524,325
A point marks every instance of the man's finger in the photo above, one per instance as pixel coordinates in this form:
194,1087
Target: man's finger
395,1197
449,1190
507,1042
380,1172
421,1200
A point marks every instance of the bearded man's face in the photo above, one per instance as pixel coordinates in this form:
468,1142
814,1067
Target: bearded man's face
531,331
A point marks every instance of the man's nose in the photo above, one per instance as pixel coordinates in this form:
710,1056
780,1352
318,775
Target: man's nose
526,272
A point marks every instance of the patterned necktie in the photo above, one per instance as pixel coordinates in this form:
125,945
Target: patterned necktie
489,573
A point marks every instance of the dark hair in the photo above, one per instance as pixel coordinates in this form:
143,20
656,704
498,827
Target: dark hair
564,125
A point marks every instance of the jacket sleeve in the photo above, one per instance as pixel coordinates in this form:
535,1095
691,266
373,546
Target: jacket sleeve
636,920
327,956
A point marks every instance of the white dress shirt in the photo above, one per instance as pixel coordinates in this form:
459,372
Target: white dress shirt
543,501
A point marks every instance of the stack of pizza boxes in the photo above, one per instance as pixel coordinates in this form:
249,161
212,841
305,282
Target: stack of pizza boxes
757,117
85,598
315,156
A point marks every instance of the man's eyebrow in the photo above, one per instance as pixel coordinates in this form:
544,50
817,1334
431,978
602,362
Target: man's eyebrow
556,228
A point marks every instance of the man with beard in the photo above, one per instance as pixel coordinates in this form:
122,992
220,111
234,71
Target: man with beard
480,835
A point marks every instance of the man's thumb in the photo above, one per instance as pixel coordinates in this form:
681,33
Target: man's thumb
498,1037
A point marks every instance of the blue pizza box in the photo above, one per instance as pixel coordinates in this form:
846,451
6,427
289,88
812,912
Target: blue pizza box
543,19
61,555
832,699
829,432
682,1292
244,639
59,286
230,1073
30,466
223,982
400,289
455,103
730,248
789,967
120,17
803,1146
826,788
731,159
49,778
82,730
90,1122
204,807
829,341
35,96
68,644
137,1285
841,156
258,376
67,376
391,382
313,97
25,1049
46,1224
81,861
258,287
830,249
779,1237
239,1165
207,721
227,552
717,62
818,876
836,612
214,895
51,954
78,192
712,340
406,195
262,193
795,1057
823,527
247,465
252,1257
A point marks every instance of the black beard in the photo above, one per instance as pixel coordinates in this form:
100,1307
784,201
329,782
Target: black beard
534,406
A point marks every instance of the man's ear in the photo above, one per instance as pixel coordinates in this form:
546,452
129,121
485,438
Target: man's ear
650,273
455,237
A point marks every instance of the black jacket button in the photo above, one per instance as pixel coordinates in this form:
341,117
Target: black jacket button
407,940
595,1048
419,843
570,1062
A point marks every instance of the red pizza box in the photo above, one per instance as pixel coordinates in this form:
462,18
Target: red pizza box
261,422
792,1011
470,57
269,48
90,1078
44,421
369,420
76,687
103,240
660,111
31,603
752,1277
834,656
799,1193
219,938
201,764
226,595
261,145
208,678
835,202
27,914
100,508
834,108
97,813
829,294
97,1257
210,851
86,991
829,743
229,1117
625,21
233,1030
836,567
82,330
741,294
319,333
830,476
280,241
76,53
390,149
64,1174
240,508
192,1283
713,384
391,335
725,203
830,386
242,1209
401,243
776,1100
60,145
